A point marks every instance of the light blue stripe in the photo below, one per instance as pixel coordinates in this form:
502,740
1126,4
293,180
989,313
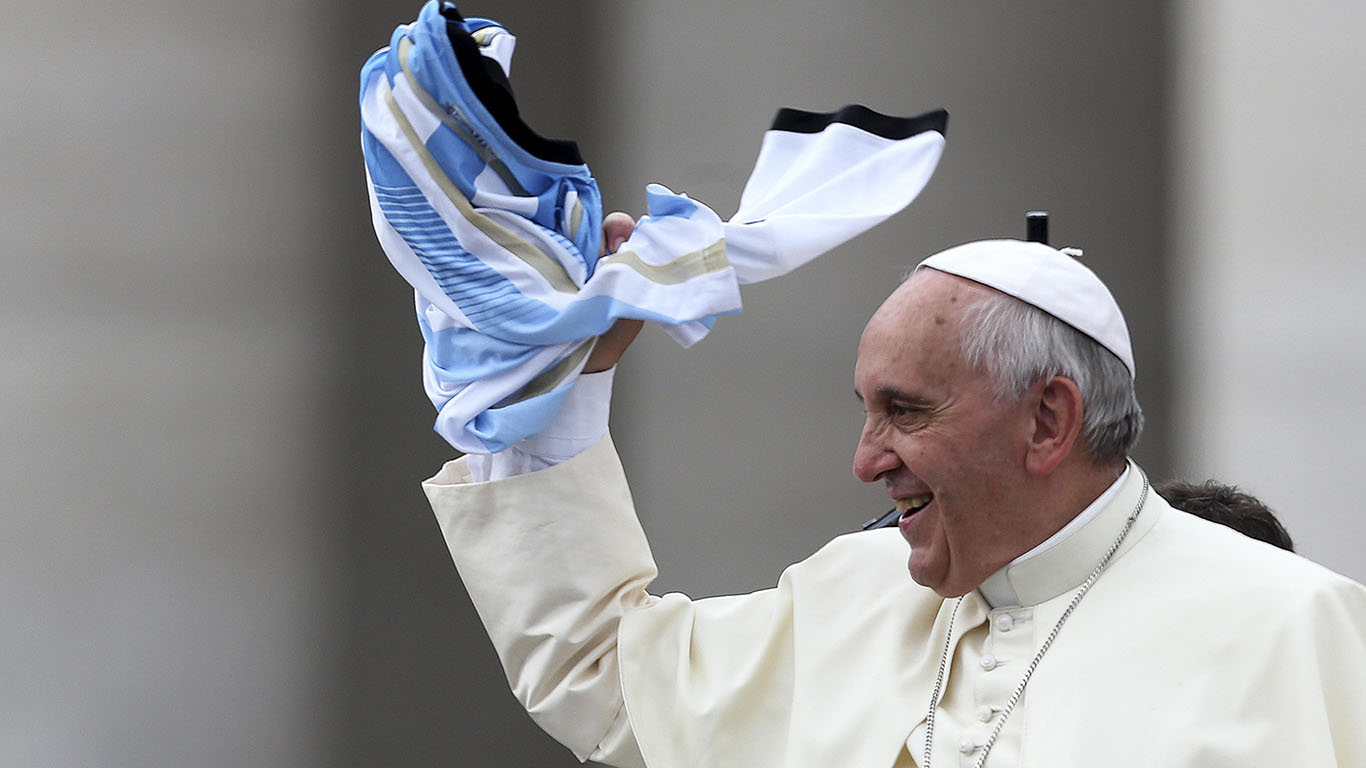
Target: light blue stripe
460,355
499,428
384,168
456,158
467,280
667,204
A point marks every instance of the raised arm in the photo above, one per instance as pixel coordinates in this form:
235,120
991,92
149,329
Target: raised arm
548,545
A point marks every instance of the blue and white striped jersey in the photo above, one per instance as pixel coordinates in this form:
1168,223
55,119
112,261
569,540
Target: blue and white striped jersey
498,229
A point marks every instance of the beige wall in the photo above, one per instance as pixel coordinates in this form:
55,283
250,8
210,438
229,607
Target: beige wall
1268,265
163,587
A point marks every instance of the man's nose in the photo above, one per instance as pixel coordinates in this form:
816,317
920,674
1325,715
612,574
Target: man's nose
872,458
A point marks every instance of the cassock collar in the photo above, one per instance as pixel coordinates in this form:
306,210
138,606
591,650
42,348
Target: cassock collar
1065,559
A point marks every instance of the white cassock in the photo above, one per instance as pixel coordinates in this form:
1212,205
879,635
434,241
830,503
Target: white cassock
1196,647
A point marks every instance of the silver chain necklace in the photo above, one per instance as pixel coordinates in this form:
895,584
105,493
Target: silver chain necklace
1019,689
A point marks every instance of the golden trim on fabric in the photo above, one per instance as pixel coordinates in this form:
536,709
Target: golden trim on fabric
550,378
686,267
575,220
485,35
553,272
460,126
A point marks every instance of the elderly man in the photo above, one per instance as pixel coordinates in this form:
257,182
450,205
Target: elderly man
1057,611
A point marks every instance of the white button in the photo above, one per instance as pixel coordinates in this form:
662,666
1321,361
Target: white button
985,714
1005,623
967,747
989,662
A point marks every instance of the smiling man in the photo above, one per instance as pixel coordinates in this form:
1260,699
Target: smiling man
1056,611
976,420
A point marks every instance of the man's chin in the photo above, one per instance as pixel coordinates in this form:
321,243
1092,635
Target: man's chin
926,575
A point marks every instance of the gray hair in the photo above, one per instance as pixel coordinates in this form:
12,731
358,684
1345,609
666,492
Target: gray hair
1018,344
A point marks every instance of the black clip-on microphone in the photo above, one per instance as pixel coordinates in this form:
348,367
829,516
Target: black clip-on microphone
886,521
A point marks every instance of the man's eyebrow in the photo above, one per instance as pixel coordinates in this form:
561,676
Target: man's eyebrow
900,395
892,393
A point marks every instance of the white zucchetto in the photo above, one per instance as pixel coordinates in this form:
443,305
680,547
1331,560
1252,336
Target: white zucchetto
1048,279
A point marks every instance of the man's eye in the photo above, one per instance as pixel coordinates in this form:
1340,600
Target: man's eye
900,411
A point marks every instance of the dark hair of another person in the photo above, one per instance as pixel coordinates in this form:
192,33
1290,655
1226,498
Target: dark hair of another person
1226,505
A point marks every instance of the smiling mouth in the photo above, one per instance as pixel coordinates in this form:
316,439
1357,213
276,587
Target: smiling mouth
910,506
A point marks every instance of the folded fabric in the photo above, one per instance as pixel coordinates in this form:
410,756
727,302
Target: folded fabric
498,229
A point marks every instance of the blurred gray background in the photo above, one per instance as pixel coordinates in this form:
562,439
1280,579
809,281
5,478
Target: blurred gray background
213,547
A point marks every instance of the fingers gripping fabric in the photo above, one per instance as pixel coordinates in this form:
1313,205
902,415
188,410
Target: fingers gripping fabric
498,229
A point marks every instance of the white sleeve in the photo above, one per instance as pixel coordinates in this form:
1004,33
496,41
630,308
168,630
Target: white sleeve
579,425
821,179
552,560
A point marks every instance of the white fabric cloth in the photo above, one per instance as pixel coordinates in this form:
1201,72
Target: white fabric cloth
1198,647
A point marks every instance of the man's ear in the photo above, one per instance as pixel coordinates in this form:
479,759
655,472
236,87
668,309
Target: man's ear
1057,425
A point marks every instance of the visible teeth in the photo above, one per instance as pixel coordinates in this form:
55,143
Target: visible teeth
913,503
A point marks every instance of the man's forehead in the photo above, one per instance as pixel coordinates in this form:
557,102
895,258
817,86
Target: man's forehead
931,290
921,320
